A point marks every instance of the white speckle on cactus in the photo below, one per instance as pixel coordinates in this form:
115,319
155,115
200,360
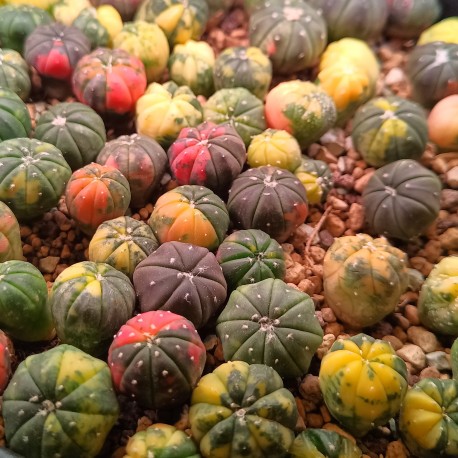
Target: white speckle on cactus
139,363
20,413
131,334
134,382
250,350
120,355
25,438
290,336
276,361
165,373
244,326
137,345
58,405
156,354
178,347
34,399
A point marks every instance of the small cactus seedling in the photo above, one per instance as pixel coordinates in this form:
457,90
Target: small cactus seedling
183,278
59,403
270,323
157,358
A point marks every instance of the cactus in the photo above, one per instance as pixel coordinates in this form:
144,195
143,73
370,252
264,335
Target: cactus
242,410
96,193
59,402
270,199
6,355
239,107
75,129
270,323
52,57
243,66
191,214
191,64
14,116
122,243
25,314
161,440
147,42
183,278
157,358
274,147
209,155
10,235
89,302
363,382
379,270
141,160
88,23
316,176
15,73
250,256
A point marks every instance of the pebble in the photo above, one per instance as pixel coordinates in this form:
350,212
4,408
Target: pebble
429,372
314,420
411,313
440,360
339,430
400,334
425,339
414,355
334,225
295,274
355,219
449,199
328,340
401,321
396,449
361,183
394,341
328,314
48,264
449,239
421,264
395,76
451,177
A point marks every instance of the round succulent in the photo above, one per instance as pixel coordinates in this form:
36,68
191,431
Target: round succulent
6,357
379,270
15,121
439,297
250,256
17,22
141,160
301,108
89,302
353,18
409,18
76,129
191,64
10,235
387,129
88,23
327,443
270,199
284,336
444,30
293,36
427,420
316,176
239,107
166,109
122,243
183,278
62,401
66,11
24,311
126,8
161,439
110,81
209,155
55,49
402,199
274,147
191,214
243,66
14,73
157,358
443,131
147,42
363,382
181,21
243,408
33,176
433,72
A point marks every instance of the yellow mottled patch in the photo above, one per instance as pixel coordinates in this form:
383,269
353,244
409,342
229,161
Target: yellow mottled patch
109,17
75,271
170,18
33,190
209,390
76,368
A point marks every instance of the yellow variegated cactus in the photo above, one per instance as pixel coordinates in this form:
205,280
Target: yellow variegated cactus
363,382
444,31
363,279
438,301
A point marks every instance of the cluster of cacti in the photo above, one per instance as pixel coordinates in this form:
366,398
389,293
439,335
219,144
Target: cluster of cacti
180,200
